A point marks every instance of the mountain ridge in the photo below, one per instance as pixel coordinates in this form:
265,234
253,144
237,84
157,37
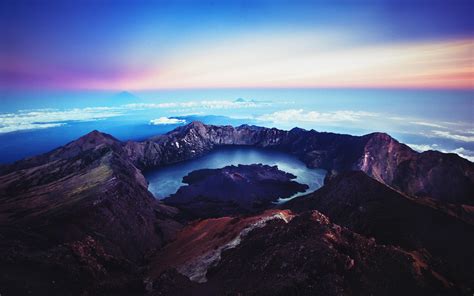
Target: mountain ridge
377,154
80,216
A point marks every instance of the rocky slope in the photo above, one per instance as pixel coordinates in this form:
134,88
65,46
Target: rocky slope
78,218
233,190
200,244
368,207
300,256
379,155
387,244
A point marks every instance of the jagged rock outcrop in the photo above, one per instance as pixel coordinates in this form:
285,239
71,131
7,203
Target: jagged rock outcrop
378,154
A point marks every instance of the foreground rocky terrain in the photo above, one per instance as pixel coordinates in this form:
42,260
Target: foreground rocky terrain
306,256
233,190
364,205
79,220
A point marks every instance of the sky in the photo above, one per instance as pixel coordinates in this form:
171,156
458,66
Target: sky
144,45
138,68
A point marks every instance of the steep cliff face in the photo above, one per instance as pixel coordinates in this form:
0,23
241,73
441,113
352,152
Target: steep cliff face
377,154
76,216
190,141
382,155
446,177
325,150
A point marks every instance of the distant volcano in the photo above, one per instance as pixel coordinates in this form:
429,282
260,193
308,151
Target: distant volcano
123,98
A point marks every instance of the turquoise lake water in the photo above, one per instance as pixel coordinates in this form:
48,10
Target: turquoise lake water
166,180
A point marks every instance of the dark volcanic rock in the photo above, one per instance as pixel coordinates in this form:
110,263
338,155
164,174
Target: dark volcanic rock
233,190
80,220
77,219
368,207
445,177
199,245
311,256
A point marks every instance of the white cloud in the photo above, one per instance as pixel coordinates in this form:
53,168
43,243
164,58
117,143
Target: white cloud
453,136
424,123
398,118
461,151
166,120
423,147
27,126
142,106
299,115
463,155
467,154
47,118
205,104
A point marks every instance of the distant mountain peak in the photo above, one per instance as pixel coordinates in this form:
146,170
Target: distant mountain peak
242,100
95,134
125,97
195,125
92,140
125,93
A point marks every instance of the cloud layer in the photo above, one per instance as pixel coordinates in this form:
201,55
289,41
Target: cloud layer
167,120
299,115
439,135
47,118
204,104
453,136
461,151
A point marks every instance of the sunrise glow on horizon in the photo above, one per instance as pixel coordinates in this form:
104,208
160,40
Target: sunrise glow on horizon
448,64
237,44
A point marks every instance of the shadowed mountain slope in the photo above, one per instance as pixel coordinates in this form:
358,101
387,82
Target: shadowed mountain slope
80,220
77,217
306,255
368,207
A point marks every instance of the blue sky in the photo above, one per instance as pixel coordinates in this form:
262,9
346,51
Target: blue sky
136,45
402,67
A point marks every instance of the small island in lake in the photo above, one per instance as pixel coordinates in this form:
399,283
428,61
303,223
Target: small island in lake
233,189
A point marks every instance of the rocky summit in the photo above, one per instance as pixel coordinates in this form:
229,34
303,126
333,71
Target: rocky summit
79,220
